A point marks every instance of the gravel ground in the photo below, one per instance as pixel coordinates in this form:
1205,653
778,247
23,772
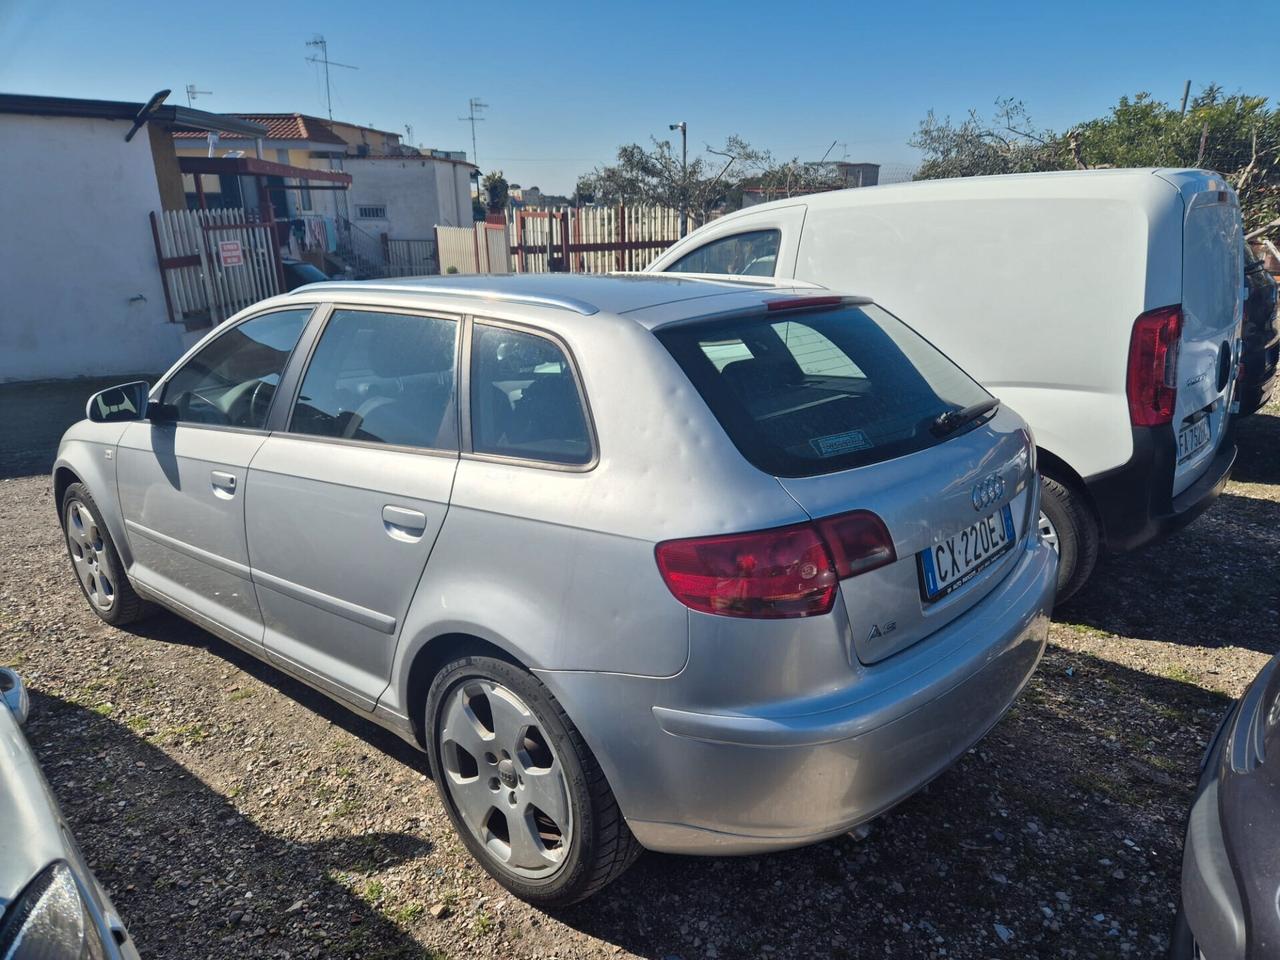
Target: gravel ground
233,812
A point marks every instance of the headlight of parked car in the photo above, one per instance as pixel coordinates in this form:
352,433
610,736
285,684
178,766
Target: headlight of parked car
50,921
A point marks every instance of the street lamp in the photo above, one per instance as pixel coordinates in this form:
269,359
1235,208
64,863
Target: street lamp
684,174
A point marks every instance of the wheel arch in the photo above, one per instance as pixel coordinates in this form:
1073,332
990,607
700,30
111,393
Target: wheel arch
1054,466
82,462
63,477
426,661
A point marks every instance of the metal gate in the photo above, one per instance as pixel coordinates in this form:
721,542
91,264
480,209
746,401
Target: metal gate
214,263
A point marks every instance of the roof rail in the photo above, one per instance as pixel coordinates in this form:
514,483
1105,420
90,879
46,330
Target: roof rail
468,292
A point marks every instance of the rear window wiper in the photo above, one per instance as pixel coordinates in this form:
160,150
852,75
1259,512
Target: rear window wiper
952,420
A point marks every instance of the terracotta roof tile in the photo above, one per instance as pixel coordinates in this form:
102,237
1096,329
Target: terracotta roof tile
280,126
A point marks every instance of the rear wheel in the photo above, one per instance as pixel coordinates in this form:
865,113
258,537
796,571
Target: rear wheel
521,786
95,561
1067,524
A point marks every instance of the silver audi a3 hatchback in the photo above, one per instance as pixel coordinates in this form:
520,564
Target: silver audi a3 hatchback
639,561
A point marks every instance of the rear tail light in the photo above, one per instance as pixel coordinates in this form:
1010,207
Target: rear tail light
1152,384
858,542
771,574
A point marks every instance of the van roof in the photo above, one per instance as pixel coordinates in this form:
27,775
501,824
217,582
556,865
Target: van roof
585,295
1057,183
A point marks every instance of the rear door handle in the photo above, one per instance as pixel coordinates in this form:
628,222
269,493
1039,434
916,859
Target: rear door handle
224,484
403,523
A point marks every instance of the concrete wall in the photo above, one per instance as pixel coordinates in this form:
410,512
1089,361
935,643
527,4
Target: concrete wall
80,290
418,192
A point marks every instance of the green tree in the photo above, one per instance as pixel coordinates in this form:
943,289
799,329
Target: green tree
495,191
1237,135
975,147
654,175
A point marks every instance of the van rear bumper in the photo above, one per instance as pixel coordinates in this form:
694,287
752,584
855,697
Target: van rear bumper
1134,502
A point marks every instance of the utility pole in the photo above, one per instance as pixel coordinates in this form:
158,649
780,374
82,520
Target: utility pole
192,93
323,44
474,107
684,174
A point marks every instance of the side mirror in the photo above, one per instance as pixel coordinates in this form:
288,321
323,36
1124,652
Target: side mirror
14,694
119,404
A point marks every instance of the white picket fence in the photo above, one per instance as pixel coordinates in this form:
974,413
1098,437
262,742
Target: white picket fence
205,281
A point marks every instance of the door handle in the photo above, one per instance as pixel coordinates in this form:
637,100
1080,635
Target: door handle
224,484
403,523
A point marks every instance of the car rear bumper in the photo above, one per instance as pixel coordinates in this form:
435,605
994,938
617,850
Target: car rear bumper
723,783
1134,502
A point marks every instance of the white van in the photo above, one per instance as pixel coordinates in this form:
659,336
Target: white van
1104,306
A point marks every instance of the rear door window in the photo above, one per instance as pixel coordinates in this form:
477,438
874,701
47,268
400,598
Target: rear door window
753,254
525,401
819,391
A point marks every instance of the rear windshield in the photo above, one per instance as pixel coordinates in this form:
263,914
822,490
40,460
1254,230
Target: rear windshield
819,391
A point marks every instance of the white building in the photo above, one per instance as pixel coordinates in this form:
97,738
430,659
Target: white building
408,197
80,289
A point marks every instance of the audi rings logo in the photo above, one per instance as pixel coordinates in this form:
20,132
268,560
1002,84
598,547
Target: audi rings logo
987,491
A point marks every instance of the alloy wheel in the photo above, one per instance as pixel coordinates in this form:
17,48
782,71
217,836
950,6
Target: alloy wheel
89,556
1048,532
504,778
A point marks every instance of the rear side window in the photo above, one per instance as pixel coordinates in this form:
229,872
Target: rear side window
524,398
382,378
753,254
818,392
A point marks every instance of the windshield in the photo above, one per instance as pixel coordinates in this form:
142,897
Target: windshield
814,392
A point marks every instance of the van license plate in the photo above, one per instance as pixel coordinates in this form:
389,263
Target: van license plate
950,564
1192,439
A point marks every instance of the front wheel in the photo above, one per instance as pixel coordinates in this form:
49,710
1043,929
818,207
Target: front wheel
96,562
521,787
1067,524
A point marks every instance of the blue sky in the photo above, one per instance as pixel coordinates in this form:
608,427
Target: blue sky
567,83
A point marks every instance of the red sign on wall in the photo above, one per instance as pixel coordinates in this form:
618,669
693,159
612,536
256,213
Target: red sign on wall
231,253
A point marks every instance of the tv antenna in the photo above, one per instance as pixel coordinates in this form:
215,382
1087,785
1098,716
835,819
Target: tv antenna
474,106
193,93
323,57
408,131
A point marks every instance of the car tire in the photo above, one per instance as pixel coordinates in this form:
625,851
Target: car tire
96,562
1067,522
497,737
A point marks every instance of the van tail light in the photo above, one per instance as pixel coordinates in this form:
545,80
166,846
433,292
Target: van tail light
1152,382
772,574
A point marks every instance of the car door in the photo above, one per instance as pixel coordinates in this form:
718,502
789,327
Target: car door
345,500
181,474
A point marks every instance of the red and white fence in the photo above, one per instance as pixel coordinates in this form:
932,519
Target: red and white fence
590,239
214,263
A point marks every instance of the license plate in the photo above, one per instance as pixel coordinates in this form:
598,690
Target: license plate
1192,439
954,561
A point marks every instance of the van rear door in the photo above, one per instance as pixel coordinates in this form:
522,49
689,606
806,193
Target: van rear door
1212,305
